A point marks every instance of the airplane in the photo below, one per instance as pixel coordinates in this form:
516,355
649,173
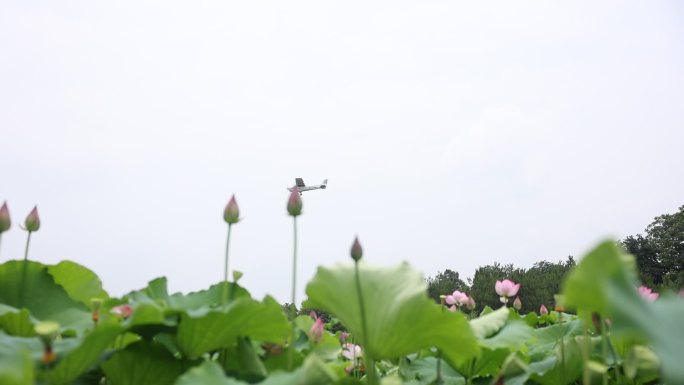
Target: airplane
299,184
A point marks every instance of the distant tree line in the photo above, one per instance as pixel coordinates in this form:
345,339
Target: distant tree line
538,284
660,251
659,256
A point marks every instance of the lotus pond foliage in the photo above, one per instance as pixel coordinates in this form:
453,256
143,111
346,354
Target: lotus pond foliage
366,325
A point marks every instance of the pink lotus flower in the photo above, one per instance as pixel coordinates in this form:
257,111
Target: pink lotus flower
124,310
647,293
506,289
543,310
470,303
351,351
457,298
316,331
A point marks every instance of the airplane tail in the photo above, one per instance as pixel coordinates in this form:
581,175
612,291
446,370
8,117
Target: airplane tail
325,183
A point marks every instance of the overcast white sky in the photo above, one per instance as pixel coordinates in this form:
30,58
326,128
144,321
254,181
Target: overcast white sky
453,134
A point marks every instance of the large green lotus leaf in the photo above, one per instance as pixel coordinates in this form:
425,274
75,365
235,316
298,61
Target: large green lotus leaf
312,372
45,299
203,330
660,322
157,292
555,371
144,363
424,371
16,368
490,323
208,373
512,336
584,289
400,317
16,322
81,283
85,355
546,338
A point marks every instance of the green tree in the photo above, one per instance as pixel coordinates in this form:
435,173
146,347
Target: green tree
541,282
444,283
660,253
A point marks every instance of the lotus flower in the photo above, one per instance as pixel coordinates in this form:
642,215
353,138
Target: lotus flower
457,298
506,289
470,303
543,310
343,337
351,351
647,293
316,331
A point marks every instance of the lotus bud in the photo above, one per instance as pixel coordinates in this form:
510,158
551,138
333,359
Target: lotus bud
236,276
5,221
316,331
124,311
470,303
96,304
232,213
32,222
294,203
517,305
543,310
356,250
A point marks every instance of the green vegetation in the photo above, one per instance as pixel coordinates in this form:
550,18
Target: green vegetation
58,326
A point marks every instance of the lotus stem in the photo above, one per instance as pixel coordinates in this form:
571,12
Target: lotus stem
225,272
293,334
370,363
22,294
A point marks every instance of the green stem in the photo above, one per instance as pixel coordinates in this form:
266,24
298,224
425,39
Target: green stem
562,347
225,272
586,379
0,240
22,294
293,334
370,363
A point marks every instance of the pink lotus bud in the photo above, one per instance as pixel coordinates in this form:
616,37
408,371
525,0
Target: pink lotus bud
232,213
543,310
647,293
294,203
343,337
517,305
5,221
681,292
32,222
356,250
316,331
124,310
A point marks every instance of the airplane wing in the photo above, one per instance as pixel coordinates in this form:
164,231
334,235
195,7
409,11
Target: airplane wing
299,182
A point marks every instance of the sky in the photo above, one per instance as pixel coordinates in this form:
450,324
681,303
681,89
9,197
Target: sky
453,134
